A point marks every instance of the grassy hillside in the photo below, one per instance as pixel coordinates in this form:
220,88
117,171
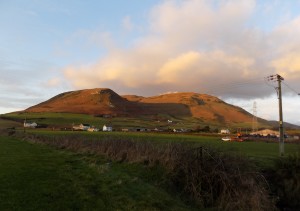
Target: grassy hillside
4,123
61,120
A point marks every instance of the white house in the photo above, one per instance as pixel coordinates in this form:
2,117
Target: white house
31,125
225,131
107,128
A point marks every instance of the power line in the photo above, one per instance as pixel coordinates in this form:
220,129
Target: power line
237,87
235,83
291,88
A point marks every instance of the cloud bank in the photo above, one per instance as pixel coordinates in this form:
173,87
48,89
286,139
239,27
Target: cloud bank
199,46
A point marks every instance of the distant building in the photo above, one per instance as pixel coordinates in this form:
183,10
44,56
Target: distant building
107,128
30,125
266,132
158,130
81,127
181,130
93,129
225,131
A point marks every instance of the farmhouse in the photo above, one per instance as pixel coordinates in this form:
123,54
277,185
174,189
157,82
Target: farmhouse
181,130
93,129
225,131
81,127
266,132
107,128
30,125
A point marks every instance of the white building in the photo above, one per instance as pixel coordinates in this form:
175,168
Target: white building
81,127
31,125
225,131
266,132
93,129
107,128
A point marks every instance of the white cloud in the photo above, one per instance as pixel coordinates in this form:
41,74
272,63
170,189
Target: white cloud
286,61
197,45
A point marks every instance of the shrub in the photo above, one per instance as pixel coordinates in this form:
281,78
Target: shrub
222,181
285,182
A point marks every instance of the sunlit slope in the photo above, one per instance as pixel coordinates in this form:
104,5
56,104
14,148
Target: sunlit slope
102,101
89,101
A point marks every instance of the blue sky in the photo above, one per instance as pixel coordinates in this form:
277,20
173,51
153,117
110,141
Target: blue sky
221,47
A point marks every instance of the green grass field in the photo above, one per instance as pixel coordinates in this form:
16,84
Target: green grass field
39,177
36,177
261,153
151,122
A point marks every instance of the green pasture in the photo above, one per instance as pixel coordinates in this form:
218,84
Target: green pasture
56,119
262,153
36,177
9,124
68,119
158,121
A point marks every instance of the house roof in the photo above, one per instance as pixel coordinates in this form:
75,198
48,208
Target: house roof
266,131
107,126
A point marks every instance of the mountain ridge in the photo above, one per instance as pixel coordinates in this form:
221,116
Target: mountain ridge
104,101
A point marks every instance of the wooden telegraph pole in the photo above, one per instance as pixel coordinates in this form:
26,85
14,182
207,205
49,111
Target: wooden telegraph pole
278,78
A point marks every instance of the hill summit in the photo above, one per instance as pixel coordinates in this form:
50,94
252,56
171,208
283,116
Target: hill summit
88,101
104,101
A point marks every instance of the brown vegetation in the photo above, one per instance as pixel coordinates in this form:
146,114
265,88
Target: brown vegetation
105,101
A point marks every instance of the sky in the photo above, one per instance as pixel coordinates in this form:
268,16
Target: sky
226,48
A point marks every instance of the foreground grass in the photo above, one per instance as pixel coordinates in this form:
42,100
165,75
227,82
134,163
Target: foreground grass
36,177
134,179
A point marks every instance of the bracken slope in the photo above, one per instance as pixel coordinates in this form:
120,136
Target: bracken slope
104,101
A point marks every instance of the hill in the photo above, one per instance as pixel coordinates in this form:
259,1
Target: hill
89,101
103,101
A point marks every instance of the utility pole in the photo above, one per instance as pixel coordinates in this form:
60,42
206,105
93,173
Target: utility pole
24,124
278,89
254,118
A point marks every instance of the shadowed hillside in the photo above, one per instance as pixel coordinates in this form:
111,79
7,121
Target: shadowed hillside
201,106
